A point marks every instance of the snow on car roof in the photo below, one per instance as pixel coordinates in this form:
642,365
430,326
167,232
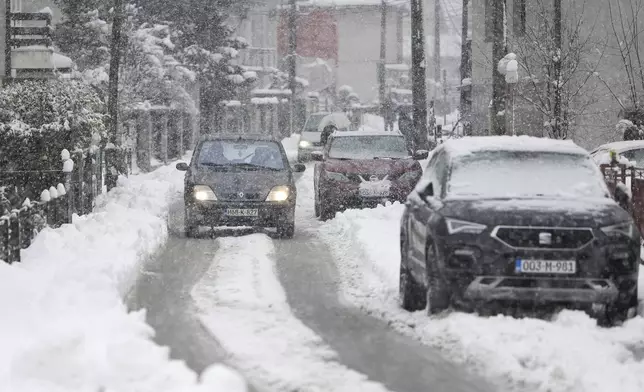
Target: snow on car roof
468,145
622,145
366,132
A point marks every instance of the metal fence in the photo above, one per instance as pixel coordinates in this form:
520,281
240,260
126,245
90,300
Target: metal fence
72,189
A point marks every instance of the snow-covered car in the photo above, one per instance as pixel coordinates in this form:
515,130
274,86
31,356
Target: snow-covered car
363,169
631,150
517,222
238,180
310,137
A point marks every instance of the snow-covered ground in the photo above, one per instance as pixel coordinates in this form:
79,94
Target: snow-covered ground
64,325
245,307
569,353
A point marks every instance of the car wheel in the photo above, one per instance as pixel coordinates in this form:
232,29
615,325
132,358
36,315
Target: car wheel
438,294
191,226
326,211
286,230
623,309
411,294
317,209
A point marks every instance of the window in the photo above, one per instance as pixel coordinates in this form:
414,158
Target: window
519,18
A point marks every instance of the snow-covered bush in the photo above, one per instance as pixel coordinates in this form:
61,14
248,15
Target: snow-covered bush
38,119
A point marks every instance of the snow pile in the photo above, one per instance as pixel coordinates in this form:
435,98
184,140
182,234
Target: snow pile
245,307
568,354
605,159
64,326
290,145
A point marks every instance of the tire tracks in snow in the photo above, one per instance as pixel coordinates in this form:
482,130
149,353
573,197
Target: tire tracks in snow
244,305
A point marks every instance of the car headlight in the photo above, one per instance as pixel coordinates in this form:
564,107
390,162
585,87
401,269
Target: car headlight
203,193
455,226
279,193
304,144
627,229
410,176
334,176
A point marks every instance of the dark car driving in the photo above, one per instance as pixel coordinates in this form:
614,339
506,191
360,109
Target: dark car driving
363,169
240,181
517,222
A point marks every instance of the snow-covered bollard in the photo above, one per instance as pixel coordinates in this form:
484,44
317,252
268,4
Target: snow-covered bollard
60,188
68,166
64,155
53,193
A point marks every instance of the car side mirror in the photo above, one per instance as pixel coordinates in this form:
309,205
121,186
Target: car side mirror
299,167
182,166
317,156
421,154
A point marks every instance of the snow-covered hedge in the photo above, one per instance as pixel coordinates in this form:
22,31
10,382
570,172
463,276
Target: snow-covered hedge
38,119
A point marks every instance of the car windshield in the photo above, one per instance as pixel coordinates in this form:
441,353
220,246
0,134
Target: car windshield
247,154
504,174
313,122
368,147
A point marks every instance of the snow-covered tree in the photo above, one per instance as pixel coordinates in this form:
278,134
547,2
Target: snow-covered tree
557,79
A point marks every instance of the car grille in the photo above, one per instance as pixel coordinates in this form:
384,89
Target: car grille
543,237
366,177
241,196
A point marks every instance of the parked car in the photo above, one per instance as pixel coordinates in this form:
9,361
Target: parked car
310,137
633,150
235,180
516,222
363,169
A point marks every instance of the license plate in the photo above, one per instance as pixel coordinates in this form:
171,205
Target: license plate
243,212
530,266
374,192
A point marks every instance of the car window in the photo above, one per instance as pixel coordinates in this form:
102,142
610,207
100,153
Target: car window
313,122
435,174
517,174
249,153
368,147
636,156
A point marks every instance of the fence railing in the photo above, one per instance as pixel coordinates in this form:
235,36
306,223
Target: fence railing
82,179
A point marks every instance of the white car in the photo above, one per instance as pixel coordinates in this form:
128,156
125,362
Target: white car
312,132
633,150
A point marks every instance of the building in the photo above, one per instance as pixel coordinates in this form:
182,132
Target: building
32,54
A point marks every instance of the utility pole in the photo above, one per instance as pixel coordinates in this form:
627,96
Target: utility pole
466,71
558,128
418,75
437,44
114,165
399,36
445,96
383,59
498,80
7,39
292,63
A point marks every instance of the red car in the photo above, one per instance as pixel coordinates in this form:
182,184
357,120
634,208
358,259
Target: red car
364,169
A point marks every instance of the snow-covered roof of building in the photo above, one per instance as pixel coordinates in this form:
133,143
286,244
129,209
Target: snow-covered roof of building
623,145
468,145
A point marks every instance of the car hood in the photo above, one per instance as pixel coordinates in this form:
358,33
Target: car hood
371,166
313,137
543,212
250,182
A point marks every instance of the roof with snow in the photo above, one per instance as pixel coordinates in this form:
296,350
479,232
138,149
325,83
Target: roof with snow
366,132
622,145
469,145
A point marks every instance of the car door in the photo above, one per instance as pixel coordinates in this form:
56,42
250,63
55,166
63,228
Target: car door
422,206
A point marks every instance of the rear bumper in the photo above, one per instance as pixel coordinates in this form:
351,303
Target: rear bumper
304,154
348,196
578,291
269,214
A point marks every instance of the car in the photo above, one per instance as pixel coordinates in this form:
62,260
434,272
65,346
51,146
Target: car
501,222
240,180
632,150
362,169
310,136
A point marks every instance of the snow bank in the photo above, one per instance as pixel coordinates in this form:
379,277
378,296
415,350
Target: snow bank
64,325
290,145
568,354
244,305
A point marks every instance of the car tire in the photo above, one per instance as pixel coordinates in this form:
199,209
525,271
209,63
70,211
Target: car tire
326,212
191,226
411,294
622,310
317,209
286,230
438,294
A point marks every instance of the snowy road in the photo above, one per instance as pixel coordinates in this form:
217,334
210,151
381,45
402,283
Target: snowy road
271,309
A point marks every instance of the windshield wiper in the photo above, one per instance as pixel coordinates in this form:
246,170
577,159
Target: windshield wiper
211,164
251,166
